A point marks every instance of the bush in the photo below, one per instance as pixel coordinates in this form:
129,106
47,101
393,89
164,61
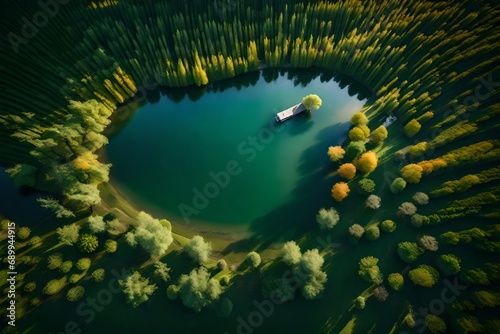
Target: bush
224,280
23,233
65,267
136,288
373,202
54,261
435,324
419,220
314,285
397,185
224,308
412,128
340,191
97,224
52,287
75,278
98,275
198,290
428,242
310,262
366,186
87,243
380,294
172,292
5,224
388,226
68,234
369,270
396,281
420,198
356,230
198,249
360,302
83,264
409,319
221,264
359,118
424,275
75,293
277,289
290,253
30,287
110,246
372,232
412,173
35,241
336,153
409,251
449,264
354,150
407,208
253,259
162,271
151,235
347,171
327,219
367,162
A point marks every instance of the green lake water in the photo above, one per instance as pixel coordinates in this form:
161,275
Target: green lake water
223,160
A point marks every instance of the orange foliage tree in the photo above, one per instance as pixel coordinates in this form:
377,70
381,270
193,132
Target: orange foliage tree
367,162
347,171
340,191
335,153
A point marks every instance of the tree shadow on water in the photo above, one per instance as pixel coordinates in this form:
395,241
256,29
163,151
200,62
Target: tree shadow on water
300,124
297,215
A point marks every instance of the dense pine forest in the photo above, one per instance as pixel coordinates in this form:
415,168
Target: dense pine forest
70,70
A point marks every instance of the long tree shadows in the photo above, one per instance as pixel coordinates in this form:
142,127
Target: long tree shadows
297,215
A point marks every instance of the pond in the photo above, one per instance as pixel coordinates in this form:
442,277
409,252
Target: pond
220,158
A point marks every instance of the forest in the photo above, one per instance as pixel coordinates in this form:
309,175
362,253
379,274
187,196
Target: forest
72,70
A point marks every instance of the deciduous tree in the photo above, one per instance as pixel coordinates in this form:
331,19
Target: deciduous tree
340,191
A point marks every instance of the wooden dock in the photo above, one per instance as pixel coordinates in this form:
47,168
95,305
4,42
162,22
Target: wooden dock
290,112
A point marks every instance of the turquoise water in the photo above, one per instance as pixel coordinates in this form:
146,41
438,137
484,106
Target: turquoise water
222,159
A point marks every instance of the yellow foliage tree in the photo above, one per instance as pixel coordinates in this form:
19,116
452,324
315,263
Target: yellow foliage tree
412,173
347,171
418,149
358,119
379,134
357,134
412,128
335,153
312,101
340,191
367,162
